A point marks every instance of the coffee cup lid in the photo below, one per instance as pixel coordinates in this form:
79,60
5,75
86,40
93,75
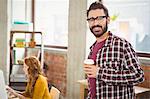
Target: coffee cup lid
88,61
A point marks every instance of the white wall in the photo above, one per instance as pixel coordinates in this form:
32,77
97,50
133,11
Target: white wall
76,46
4,36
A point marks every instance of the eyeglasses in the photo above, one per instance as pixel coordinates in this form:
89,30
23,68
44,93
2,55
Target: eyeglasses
98,18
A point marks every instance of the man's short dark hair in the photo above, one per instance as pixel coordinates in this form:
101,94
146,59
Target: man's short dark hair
98,5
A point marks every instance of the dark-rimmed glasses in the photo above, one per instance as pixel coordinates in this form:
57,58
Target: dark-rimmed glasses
98,18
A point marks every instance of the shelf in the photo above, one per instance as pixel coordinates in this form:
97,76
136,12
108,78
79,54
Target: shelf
18,78
19,86
26,32
37,47
23,39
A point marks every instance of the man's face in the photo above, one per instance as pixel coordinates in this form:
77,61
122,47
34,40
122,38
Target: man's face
98,22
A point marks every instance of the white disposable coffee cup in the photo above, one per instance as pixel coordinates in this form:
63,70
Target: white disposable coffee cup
88,61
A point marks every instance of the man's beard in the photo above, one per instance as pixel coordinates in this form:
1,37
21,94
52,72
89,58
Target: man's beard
99,34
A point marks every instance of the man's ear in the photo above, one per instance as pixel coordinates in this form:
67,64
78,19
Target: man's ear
108,20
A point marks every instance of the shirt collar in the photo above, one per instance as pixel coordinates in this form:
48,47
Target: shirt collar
107,42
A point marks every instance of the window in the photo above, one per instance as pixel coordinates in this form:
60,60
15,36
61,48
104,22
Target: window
21,10
132,22
51,17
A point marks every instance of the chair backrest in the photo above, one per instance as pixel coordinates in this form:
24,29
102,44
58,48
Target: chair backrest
55,93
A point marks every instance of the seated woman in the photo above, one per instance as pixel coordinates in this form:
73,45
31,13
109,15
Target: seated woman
37,87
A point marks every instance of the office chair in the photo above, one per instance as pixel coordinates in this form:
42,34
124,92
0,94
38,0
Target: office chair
55,93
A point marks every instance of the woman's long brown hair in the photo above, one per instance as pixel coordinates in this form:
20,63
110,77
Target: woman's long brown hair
33,72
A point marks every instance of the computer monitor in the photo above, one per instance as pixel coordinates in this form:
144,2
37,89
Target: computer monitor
3,93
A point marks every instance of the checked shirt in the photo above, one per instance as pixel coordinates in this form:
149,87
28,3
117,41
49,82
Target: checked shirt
118,69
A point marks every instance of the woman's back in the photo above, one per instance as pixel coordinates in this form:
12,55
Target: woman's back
41,90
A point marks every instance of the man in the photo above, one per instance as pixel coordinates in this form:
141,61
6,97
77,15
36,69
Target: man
117,67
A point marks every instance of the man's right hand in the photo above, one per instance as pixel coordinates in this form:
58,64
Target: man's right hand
90,70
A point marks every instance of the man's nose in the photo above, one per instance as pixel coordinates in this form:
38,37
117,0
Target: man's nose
96,22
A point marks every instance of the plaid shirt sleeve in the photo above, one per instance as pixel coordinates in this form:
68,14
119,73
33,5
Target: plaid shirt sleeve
131,74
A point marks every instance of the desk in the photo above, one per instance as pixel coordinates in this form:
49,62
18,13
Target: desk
84,85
